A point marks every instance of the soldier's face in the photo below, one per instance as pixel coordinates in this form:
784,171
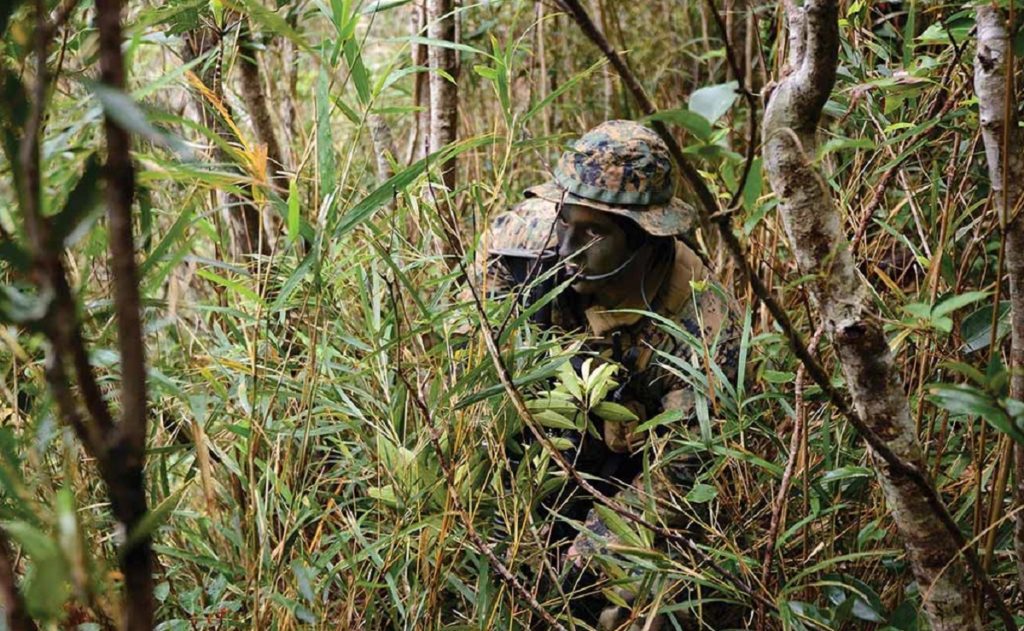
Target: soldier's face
592,243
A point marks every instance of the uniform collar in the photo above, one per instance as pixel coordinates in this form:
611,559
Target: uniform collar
670,295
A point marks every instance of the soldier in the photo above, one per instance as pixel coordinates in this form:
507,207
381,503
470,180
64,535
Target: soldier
610,219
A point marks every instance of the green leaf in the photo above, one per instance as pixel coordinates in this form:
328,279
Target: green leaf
701,493
359,74
383,5
690,121
554,420
155,517
665,418
614,412
958,302
81,208
957,28
384,494
270,20
966,370
846,473
839,144
560,404
600,381
127,114
714,101
561,444
752,188
919,310
326,161
46,586
777,376
487,72
236,286
970,401
568,378
440,43
618,526
362,210
293,210
562,88
976,328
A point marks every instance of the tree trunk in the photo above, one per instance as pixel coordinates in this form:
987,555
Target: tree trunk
383,147
242,216
124,467
420,135
444,103
814,229
256,102
444,95
997,107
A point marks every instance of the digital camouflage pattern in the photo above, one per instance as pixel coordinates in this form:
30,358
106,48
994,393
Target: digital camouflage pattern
618,162
528,230
623,168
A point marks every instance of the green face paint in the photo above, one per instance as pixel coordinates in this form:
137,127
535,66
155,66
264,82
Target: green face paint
593,244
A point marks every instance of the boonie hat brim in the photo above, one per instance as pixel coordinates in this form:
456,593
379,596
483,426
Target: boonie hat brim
671,219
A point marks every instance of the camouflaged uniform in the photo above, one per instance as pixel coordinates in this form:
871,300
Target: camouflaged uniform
623,168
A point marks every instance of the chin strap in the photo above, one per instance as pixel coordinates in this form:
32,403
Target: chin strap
614,272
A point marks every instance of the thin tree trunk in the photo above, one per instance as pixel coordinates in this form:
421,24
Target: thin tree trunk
383,146
256,102
997,106
444,95
444,103
242,216
124,468
814,229
420,135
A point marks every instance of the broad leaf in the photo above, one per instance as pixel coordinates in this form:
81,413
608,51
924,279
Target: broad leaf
714,101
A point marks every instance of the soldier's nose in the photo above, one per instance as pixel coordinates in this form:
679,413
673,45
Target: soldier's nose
565,248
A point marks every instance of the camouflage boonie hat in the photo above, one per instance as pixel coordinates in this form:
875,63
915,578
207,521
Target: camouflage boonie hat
527,230
623,168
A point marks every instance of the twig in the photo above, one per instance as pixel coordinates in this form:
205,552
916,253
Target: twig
799,429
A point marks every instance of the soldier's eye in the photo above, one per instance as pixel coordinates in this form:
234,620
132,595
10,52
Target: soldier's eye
562,222
594,233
